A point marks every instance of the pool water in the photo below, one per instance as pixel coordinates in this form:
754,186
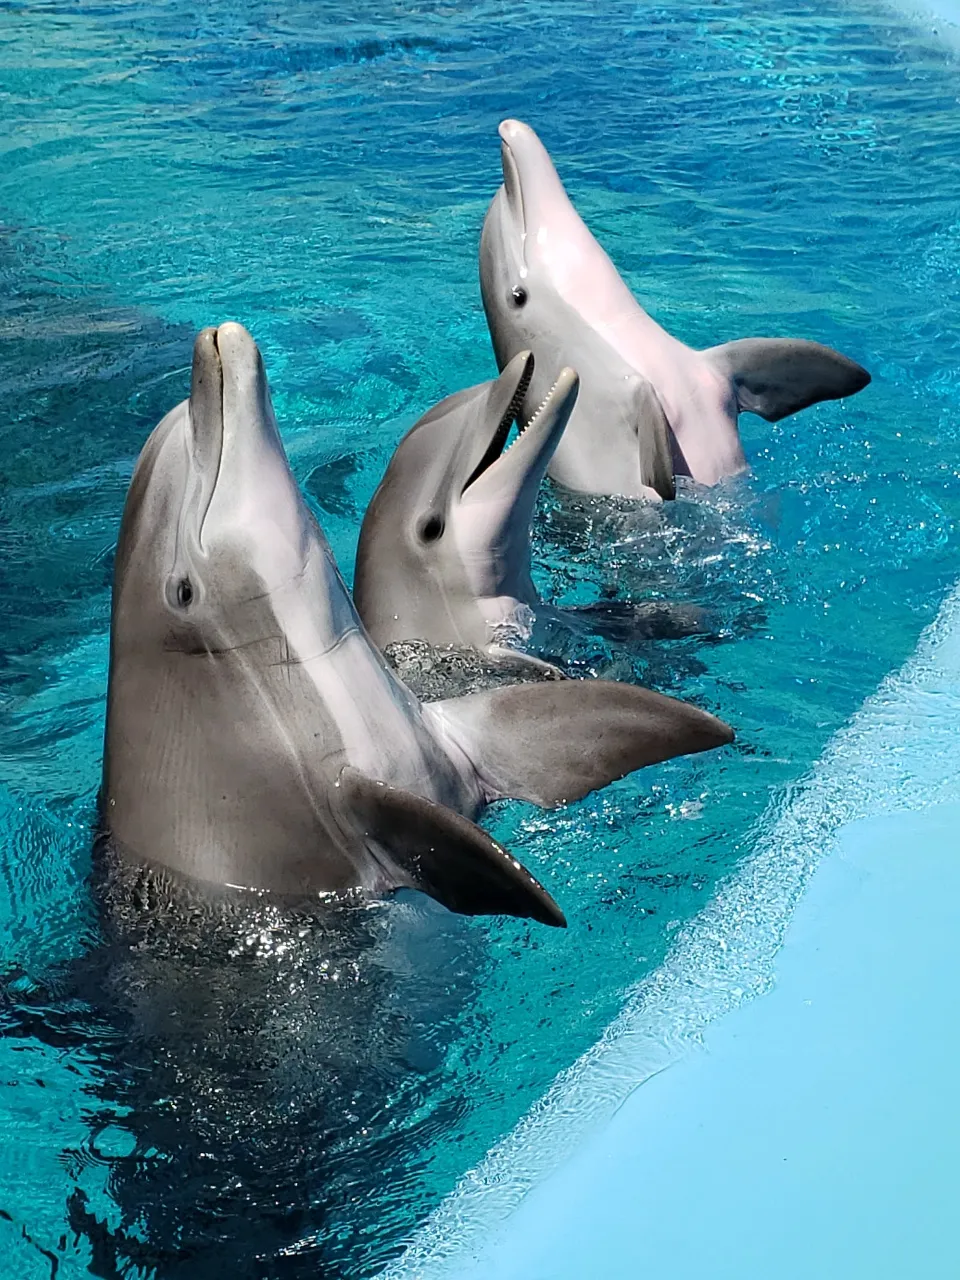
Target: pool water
275,1098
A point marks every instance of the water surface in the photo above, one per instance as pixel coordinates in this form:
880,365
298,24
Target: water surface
752,170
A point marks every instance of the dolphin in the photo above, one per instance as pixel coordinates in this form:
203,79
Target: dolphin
255,736
444,549
649,407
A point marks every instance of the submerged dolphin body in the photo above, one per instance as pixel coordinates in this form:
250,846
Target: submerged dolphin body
444,550
255,736
649,406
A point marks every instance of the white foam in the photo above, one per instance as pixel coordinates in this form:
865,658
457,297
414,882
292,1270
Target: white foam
898,752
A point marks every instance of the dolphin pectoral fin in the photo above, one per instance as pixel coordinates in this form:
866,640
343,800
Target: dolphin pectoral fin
443,854
623,621
524,664
775,377
654,438
557,741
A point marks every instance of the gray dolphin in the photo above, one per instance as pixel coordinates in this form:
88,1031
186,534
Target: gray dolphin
444,549
649,406
255,736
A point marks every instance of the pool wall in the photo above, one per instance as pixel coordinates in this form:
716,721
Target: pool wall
819,1122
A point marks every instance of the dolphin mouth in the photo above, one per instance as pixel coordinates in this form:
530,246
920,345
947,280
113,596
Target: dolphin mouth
510,416
230,416
554,408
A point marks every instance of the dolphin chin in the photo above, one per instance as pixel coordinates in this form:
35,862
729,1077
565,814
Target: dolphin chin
255,736
206,405
649,407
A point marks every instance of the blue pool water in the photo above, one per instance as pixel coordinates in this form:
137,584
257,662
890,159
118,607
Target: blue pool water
299,1110
810,1132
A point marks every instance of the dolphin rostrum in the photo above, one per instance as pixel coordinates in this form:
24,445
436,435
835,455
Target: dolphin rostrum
255,736
649,406
444,550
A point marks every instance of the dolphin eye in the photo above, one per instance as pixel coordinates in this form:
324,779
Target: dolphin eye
519,295
432,528
184,593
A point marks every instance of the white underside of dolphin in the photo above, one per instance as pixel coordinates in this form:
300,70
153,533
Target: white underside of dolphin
649,406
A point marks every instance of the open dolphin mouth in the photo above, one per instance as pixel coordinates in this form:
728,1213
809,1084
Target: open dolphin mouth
497,447
496,450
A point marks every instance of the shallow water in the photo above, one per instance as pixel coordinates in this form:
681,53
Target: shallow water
751,170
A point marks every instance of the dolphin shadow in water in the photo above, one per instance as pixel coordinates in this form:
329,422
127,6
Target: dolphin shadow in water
650,407
444,551
292,1061
717,548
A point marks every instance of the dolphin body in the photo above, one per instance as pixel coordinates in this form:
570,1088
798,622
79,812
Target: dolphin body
649,407
444,549
255,736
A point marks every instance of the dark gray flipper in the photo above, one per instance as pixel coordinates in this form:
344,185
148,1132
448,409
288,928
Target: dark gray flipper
775,377
554,742
626,621
445,855
653,438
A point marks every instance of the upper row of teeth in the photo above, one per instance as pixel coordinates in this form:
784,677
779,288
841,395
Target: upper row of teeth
540,408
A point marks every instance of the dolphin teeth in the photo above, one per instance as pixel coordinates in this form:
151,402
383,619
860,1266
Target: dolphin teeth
537,413
496,446
516,401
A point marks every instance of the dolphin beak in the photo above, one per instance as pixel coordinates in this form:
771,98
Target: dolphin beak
511,177
534,192
504,401
229,399
206,403
235,442
517,473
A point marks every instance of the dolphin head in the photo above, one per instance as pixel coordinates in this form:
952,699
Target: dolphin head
215,531
445,542
535,250
549,287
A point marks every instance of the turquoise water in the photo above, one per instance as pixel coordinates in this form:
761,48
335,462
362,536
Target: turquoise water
751,170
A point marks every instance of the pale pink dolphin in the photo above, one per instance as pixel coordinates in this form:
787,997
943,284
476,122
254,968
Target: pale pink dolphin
649,406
